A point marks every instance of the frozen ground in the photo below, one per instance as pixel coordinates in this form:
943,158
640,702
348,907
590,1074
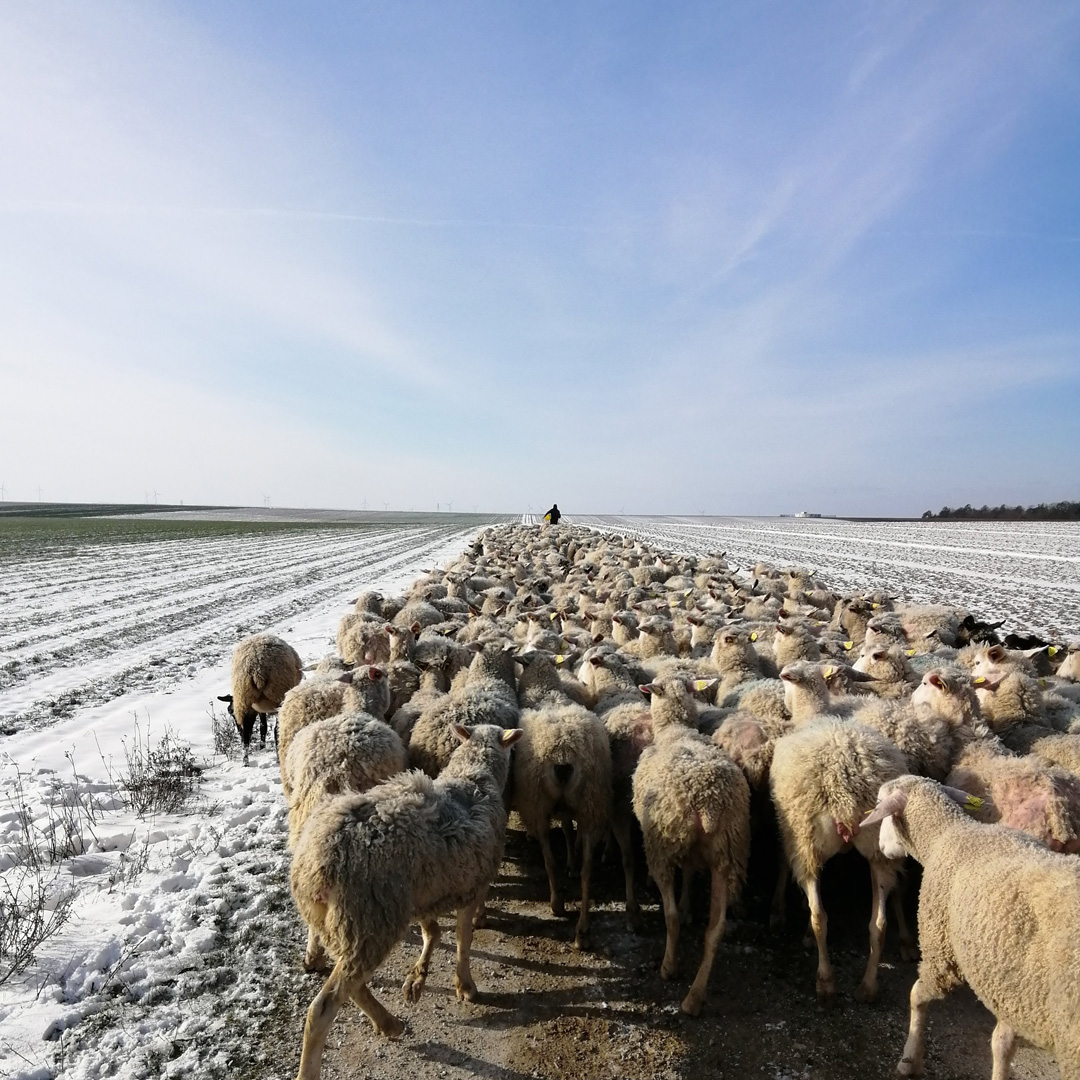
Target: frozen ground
181,958
1027,573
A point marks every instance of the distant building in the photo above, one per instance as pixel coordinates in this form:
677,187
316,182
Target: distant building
806,513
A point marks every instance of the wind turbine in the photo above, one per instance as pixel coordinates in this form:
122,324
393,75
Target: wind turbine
155,496
363,505
266,501
3,492
385,506
39,493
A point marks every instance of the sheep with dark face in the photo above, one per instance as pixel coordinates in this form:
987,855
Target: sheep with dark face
264,669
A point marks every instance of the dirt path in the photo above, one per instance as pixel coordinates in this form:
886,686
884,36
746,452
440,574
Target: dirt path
548,1011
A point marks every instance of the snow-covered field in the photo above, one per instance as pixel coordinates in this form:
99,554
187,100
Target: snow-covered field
170,964
180,956
1027,573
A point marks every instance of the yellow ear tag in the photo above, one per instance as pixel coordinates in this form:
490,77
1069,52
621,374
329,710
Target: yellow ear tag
909,652
1042,684
1052,651
829,671
560,659
687,592
753,636
875,606
973,802
701,684
979,680
849,645
553,616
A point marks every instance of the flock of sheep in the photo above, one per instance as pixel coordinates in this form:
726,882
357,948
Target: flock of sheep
591,680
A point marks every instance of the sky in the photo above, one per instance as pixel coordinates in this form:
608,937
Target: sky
733,259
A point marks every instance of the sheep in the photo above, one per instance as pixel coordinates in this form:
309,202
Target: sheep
794,642
264,669
363,640
488,697
618,702
1070,666
735,660
997,911
348,752
693,804
562,767
368,864
824,777
890,668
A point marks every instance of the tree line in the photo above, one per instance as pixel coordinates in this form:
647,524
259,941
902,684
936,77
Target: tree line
1059,511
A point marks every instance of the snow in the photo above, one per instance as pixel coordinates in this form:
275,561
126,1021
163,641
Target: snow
143,979
178,946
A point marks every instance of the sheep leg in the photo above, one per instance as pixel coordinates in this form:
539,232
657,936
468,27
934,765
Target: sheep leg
909,948
571,843
620,828
581,934
1003,1046
778,913
557,906
463,980
713,935
922,993
684,896
480,918
315,955
324,1008
880,883
826,981
262,730
671,916
414,981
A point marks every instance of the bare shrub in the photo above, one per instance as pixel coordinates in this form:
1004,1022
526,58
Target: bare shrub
158,778
226,734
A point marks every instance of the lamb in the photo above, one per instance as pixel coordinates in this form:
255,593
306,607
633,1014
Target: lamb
997,911
368,864
693,804
264,669
562,767
824,778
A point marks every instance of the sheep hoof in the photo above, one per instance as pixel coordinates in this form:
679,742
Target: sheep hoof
392,1027
907,1067
826,987
692,1004
466,991
413,986
865,993
558,909
316,962
667,972
581,940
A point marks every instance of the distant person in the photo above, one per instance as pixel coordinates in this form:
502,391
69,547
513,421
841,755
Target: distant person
553,514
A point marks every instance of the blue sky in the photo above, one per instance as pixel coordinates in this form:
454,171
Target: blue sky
732,258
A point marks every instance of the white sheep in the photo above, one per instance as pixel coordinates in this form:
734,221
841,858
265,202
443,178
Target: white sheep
824,778
693,804
997,911
409,849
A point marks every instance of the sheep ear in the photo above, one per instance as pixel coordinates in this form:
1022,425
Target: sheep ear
461,731
997,653
964,798
225,697
376,673
650,688
701,685
858,676
982,682
416,628
511,736
781,628
935,679
596,661
525,658
1029,653
893,803
346,678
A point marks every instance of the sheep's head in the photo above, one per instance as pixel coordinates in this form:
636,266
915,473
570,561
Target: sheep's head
893,798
